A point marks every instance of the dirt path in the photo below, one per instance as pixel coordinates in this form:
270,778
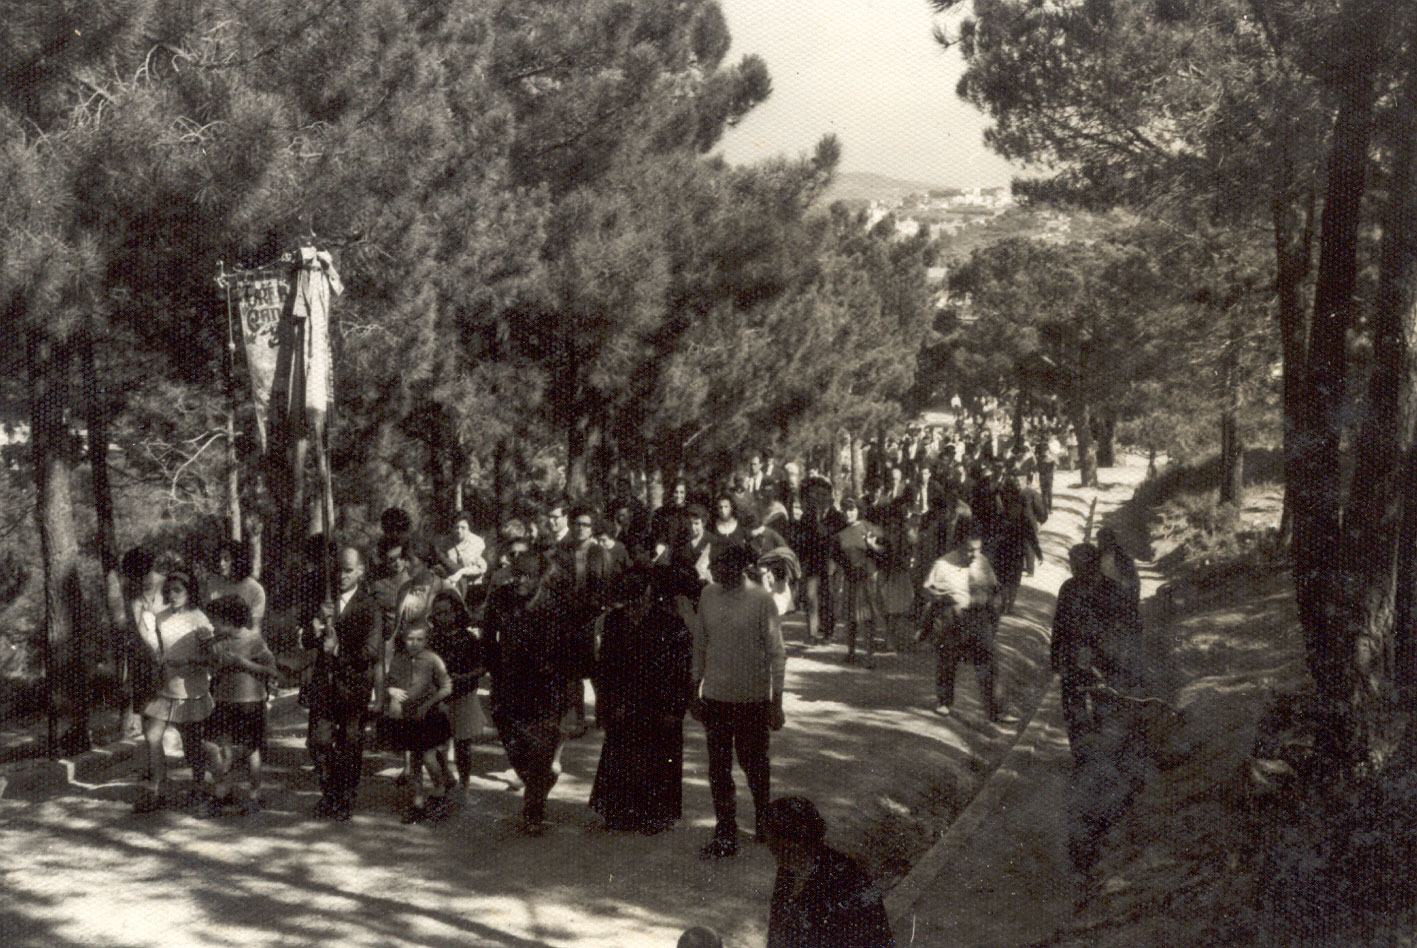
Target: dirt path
81,869
1001,877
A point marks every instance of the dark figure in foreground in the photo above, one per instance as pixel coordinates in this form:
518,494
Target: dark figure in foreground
1096,637
821,898
643,687
1095,651
348,639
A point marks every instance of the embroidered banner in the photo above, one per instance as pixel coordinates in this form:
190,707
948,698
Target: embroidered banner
261,299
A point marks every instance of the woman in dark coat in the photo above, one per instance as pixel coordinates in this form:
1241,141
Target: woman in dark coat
642,688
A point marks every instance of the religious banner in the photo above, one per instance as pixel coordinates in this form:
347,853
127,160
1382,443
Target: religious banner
261,299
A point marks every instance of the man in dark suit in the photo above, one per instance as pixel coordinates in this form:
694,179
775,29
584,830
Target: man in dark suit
587,565
348,639
669,522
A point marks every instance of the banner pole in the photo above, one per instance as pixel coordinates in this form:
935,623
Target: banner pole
233,482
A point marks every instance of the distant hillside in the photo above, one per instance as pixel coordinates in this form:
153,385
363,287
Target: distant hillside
1032,223
862,187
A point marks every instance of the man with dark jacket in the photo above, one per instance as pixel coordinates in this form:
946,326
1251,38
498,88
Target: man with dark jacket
821,898
1096,634
348,639
857,546
531,665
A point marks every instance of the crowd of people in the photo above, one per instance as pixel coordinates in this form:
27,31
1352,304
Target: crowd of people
667,610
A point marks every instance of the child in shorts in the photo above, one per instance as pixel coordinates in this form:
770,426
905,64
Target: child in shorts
245,667
417,685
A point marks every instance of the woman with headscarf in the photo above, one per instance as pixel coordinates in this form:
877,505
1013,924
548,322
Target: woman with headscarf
643,687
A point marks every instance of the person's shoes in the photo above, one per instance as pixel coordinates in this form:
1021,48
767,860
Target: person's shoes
414,814
720,847
531,827
655,827
869,664
324,809
147,802
342,813
942,709
849,658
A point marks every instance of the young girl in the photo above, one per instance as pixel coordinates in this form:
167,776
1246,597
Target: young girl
180,640
417,683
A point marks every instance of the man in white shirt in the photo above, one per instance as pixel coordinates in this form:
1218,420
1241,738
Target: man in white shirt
961,622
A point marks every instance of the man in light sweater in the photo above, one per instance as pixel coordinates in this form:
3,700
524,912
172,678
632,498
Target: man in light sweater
738,668
961,621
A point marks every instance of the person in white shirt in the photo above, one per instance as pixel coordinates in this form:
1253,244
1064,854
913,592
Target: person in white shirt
961,622
465,559
738,669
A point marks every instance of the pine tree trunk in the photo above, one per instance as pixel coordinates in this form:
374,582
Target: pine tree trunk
66,675
1293,217
504,476
444,473
1232,459
1232,449
582,442
1087,450
115,612
1325,599
1106,426
854,453
1375,593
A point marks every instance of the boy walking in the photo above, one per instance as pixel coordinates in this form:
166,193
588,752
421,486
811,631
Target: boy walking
245,667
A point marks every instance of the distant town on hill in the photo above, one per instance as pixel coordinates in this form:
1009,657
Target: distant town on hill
962,219
858,189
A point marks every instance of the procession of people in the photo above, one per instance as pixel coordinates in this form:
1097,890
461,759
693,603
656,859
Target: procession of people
666,611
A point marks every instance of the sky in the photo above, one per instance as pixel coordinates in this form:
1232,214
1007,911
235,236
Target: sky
870,71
